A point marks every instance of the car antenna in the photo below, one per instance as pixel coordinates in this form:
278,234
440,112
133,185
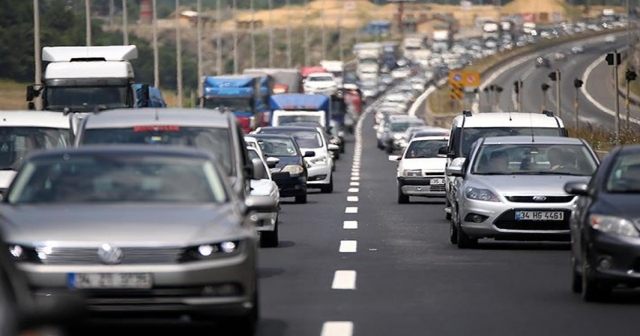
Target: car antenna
155,110
531,126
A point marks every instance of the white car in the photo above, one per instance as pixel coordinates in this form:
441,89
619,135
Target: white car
321,82
22,132
610,39
266,222
421,169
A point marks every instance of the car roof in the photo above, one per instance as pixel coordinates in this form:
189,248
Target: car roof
527,139
120,118
34,119
508,119
271,135
429,138
290,128
173,151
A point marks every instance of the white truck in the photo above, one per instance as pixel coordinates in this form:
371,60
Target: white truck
369,57
415,47
336,68
442,40
491,31
85,79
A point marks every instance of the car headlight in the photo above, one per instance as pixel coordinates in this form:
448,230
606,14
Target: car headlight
612,224
398,136
480,194
319,161
212,251
20,253
293,169
412,172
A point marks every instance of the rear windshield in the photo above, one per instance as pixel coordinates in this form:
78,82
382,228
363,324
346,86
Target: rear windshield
470,135
216,141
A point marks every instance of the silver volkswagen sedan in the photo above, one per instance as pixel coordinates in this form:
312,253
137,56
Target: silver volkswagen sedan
512,188
136,230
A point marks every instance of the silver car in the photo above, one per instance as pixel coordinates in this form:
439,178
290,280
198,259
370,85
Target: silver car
512,188
136,230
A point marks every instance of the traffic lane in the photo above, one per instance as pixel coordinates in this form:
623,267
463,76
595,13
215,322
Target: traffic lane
294,278
411,280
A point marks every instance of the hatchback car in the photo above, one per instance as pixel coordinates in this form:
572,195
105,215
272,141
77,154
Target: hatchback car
543,62
512,188
266,223
605,226
136,230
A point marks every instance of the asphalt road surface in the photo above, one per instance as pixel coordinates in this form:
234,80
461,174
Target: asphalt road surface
357,263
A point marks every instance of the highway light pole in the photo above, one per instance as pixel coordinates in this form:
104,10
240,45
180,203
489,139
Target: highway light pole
199,44
545,87
218,39
87,20
306,33
289,60
253,35
577,84
270,35
178,54
235,37
324,32
555,77
125,23
156,60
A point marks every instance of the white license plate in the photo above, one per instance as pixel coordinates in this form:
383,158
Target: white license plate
539,215
109,280
437,181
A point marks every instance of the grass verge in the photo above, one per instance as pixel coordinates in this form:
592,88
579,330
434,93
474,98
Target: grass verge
602,139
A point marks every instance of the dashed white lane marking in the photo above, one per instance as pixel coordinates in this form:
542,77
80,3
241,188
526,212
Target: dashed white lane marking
344,280
355,174
352,198
350,225
354,184
337,328
355,178
351,210
348,246
353,190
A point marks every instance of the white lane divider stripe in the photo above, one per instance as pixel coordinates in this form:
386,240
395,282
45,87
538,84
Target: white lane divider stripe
344,280
353,190
350,225
337,328
354,184
355,178
348,246
352,198
351,210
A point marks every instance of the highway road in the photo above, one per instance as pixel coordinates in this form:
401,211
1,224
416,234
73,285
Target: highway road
596,100
357,263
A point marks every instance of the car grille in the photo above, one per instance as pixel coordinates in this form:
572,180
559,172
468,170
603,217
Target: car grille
507,221
547,199
130,256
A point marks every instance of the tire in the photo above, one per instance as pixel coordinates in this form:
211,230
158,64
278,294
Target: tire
270,238
402,198
246,325
447,204
593,290
462,239
576,278
337,156
301,199
328,188
380,146
453,234
389,149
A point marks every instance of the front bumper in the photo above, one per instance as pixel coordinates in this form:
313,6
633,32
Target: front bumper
180,288
291,185
421,186
319,175
480,219
623,254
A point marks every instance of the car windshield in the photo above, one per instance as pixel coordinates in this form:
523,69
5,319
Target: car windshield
17,142
85,98
624,176
233,104
534,159
111,178
470,135
401,126
320,79
305,139
213,140
277,147
424,149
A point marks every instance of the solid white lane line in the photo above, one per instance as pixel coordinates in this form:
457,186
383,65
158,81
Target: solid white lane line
344,280
348,246
337,328
351,210
353,190
354,184
352,198
350,225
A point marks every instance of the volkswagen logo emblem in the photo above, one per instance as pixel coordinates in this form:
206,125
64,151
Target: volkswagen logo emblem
109,254
539,198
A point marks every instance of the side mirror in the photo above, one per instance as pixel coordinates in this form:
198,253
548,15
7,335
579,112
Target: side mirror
272,162
309,154
454,171
258,169
333,148
395,158
576,188
260,204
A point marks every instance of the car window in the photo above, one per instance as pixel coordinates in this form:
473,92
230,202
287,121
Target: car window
424,149
624,176
402,126
253,154
470,135
278,147
117,178
534,159
17,142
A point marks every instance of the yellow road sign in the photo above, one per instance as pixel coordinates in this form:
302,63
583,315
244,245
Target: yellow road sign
456,91
469,79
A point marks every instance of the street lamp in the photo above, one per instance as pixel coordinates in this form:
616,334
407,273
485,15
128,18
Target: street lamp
577,84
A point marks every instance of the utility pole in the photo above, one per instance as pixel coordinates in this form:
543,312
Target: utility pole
87,20
218,39
289,60
199,44
253,36
235,37
614,59
156,60
340,35
555,77
324,31
270,35
306,33
125,23
630,76
36,42
179,54
577,84
111,13
545,87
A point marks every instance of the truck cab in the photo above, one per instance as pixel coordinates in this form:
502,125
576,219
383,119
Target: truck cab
290,108
238,93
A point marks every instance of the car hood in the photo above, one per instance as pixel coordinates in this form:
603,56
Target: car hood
625,205
262,187
525,185
6,176
288,160
76,225
428,164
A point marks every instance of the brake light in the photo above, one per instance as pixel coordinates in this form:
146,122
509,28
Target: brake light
156,128
244,122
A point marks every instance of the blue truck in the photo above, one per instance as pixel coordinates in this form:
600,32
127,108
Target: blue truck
241,94
290,108
148,96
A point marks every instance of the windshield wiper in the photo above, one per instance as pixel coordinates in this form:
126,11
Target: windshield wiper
550,173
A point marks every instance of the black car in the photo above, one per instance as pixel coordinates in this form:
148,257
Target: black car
543,62
605,226
290,173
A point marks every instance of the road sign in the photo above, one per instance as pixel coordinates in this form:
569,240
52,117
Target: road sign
455,76
472,79
456,91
